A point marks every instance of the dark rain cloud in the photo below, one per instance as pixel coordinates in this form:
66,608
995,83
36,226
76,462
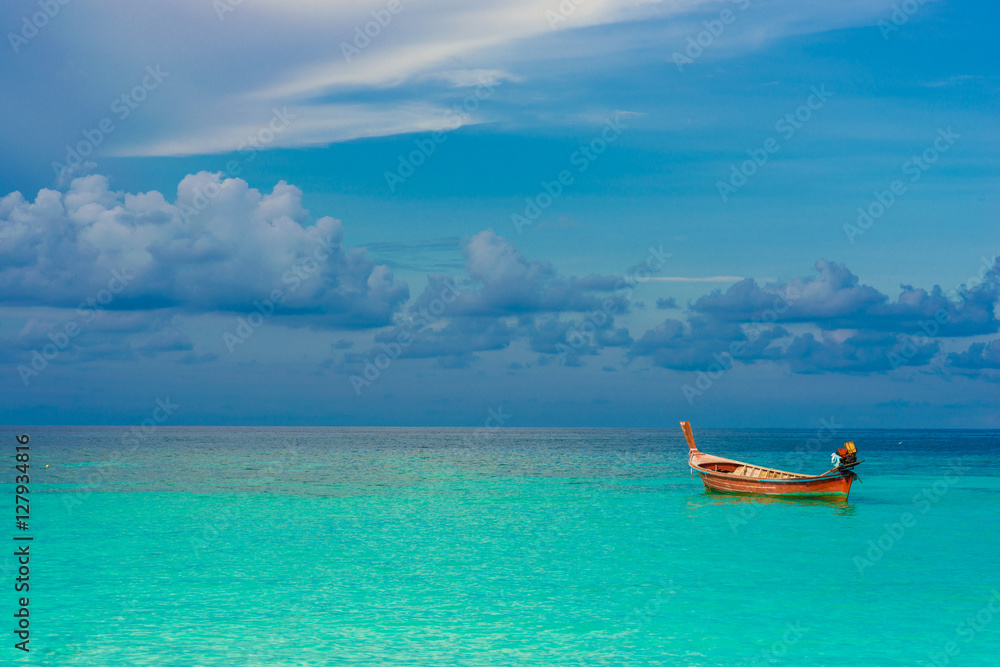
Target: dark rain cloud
835,299
854,328
978,356
505,297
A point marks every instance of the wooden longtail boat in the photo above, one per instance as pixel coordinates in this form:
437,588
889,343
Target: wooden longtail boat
727,476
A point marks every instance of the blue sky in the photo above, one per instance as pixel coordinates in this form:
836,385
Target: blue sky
600,214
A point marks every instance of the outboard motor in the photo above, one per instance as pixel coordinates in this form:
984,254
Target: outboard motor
846,455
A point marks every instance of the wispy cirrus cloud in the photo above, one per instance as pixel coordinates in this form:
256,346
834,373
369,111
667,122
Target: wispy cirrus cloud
412,68
693,279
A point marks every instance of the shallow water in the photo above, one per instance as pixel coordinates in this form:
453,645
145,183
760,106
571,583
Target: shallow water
315,546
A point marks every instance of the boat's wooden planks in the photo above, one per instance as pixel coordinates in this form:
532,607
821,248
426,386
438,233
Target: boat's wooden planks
754,472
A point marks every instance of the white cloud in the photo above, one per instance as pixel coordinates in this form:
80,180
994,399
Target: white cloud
311,126
219,247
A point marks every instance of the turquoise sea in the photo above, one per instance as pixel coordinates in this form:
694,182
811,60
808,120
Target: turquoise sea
329,546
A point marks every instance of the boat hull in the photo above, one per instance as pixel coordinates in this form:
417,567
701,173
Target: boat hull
837,485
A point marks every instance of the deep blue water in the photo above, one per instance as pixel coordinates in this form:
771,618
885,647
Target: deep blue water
313,546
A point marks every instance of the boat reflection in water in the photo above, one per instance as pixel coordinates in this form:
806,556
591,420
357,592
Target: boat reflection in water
745,505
